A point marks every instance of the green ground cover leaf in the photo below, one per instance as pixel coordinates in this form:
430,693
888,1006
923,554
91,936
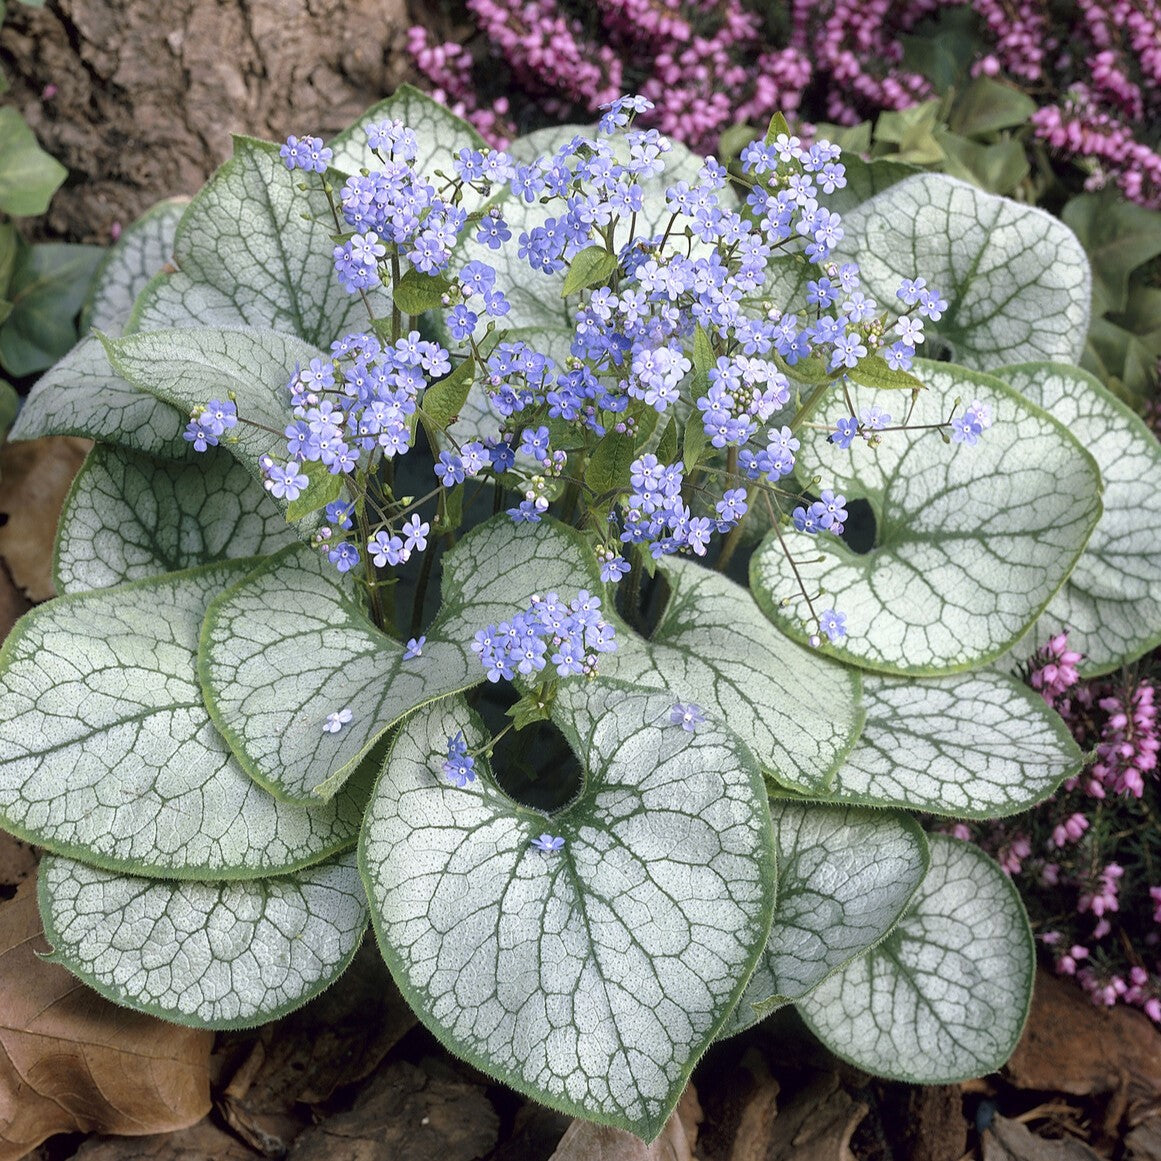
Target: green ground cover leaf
591,979
101,696
1016,279
845,876
129,516
976,745
212,955
970,542
28,176
944,997
138,255
246,257
1111,602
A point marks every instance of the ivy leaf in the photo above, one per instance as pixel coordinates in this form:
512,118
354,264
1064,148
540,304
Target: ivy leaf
246,257
797,711
1118,237
82,395
1016,279
978,745
1111,602
28,176
970,542
944,998
591,979
296,607
844,878
49,284
211,955
100,694
129,516
139,254
593,266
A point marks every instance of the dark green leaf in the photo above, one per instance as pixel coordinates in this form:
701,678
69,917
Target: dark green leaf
417,292
667,447
703,350
998,168
532,707
873,371
322,489
693,445
608,466
442,401
591,267
49,284
1118,237
987,105
778,125
9,403
9,249
28,176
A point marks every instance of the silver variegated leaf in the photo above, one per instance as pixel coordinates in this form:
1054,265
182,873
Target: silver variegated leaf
140,253
592,978
944,997
1017,281
973,745
845,876
971,542
129,516
107,752
1111,602
212,955
246,256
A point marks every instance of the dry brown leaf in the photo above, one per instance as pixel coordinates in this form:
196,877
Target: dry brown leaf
1006,1140
17,862
1144,1142
406,1114
817,1124
584,1141
34,477
71,1060
1072,1046
201,1142
13,603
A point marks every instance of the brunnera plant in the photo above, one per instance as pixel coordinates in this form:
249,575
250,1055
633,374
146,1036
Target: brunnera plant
412,438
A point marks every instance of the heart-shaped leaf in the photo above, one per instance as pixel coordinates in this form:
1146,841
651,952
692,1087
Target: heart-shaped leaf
129,516
295,616
591,978
1016,279
29,176
796,710
139,254
187,368
246,257
82,395
944,997
845,876
212,955
970,542
1111,602
108,754
978,745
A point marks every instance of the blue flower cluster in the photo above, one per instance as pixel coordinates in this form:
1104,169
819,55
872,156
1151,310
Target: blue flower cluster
208,424
825,514
574,631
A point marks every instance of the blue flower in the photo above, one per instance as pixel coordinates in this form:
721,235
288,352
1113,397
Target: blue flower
344,556
833,624
414,647
336,720
844,432
687,715
286,483
460,766
548,844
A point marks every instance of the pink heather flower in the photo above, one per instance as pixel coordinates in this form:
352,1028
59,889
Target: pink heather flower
1155,895
1052,670
1068,831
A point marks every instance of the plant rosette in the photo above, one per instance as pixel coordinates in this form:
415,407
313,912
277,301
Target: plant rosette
409,433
